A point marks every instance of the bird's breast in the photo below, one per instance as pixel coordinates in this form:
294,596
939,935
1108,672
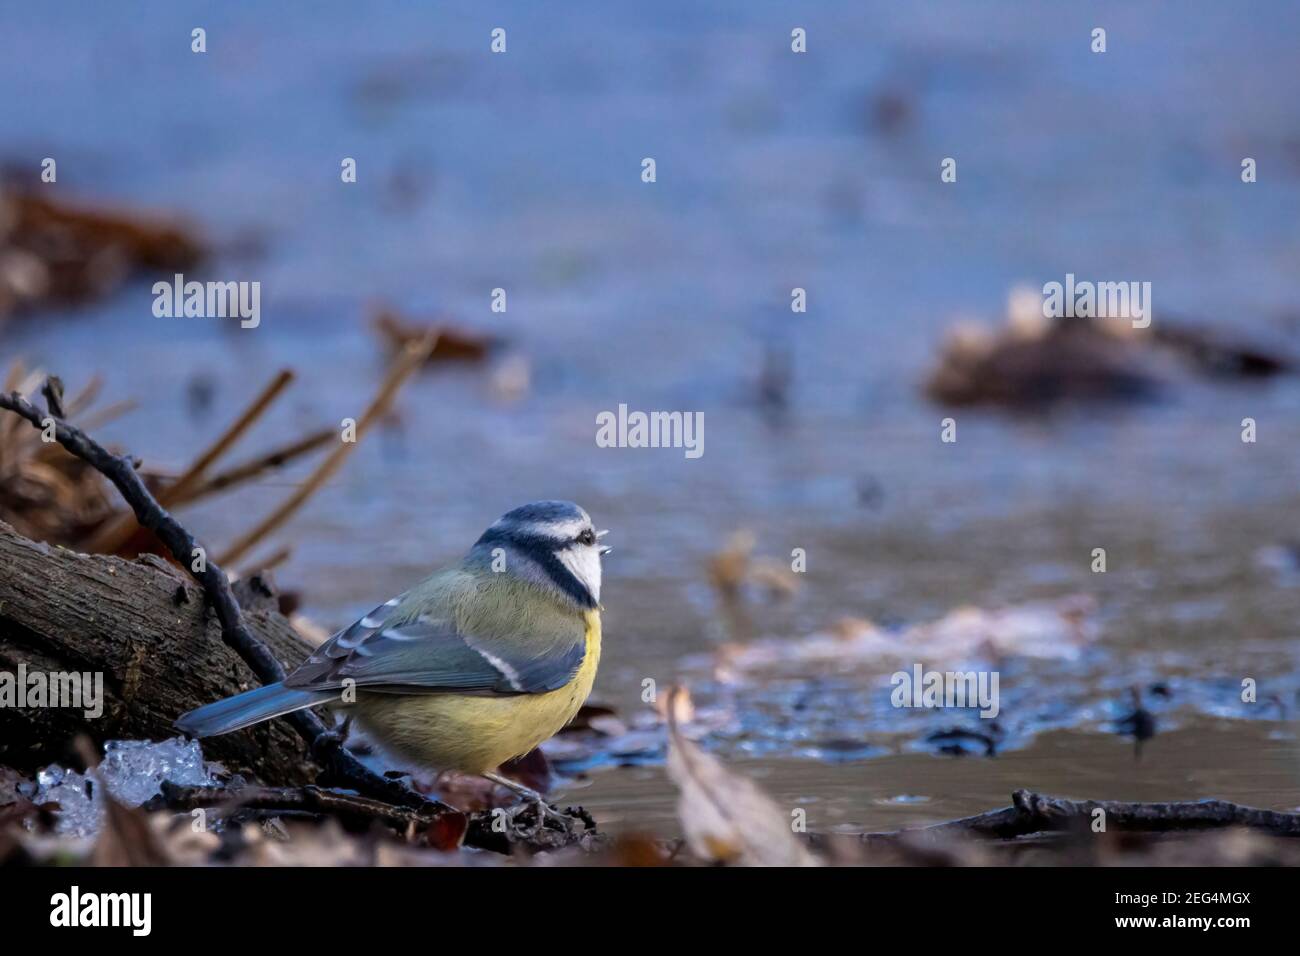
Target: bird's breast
591,660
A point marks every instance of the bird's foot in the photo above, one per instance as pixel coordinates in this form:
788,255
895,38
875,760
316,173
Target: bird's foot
535,819
332,740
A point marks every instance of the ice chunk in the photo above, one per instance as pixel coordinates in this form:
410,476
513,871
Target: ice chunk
133,771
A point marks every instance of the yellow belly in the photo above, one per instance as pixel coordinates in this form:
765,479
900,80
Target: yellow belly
476,734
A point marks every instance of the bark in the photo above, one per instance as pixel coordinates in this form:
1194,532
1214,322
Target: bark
146,627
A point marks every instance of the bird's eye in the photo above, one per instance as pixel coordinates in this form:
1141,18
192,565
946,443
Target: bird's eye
587,537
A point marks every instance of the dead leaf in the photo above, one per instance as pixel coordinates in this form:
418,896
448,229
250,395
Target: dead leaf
727,818
126,837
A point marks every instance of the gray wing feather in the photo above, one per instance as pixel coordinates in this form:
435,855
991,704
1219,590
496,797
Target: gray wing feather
428,655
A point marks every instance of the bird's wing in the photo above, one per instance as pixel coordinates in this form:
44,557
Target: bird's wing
428,654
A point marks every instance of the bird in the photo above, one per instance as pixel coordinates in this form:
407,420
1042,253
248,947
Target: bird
475,665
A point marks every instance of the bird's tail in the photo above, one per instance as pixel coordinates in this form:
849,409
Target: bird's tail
251,707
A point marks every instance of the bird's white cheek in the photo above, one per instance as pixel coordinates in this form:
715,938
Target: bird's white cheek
585,566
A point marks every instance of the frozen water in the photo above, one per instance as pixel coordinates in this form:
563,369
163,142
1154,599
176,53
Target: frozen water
133,770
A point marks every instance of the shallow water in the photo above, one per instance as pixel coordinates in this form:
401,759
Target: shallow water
1254,764
522,171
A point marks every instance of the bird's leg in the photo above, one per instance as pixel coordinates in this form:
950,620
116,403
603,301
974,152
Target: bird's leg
527,793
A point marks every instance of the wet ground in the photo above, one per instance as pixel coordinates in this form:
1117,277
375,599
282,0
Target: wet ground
523,171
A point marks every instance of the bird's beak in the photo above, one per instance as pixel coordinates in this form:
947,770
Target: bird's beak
606,550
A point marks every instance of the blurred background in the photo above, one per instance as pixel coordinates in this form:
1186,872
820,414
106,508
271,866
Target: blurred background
774,170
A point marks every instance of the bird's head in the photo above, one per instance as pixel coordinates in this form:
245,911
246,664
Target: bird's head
551,544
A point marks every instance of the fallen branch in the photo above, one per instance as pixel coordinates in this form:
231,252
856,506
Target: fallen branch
143,625
120,470
1034,813
348,808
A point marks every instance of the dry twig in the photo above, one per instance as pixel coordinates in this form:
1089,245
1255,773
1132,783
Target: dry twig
110,538
413,355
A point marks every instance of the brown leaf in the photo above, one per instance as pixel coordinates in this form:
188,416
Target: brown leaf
447,832
727,818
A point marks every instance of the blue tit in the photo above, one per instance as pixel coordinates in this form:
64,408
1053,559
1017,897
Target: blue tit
477,664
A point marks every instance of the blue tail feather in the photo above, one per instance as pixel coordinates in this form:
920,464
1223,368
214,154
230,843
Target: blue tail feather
251,707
